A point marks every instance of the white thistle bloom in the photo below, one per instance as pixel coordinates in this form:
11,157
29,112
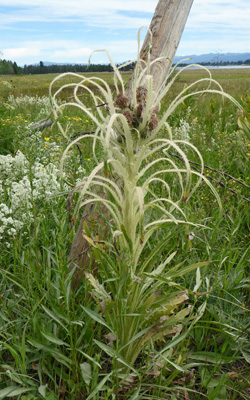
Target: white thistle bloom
130,129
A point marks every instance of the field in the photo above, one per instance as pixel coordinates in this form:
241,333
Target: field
55,335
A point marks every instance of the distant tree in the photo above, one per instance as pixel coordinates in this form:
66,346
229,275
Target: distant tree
6,67
15,68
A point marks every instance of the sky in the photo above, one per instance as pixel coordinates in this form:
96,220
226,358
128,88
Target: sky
67,31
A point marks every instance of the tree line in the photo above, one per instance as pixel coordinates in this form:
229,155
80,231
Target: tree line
11,68
220,63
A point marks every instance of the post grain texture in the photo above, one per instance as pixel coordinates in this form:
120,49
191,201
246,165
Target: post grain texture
166,26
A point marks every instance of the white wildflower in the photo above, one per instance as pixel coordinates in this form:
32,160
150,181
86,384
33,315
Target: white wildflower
183,132
21,186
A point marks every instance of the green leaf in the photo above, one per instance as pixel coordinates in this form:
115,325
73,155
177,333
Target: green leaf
153,254
136,395
99,289
107,349
14,376
96,317
54,315
115,355
171,301
219,391
150,300
51,350
51,396
40,346
175,272
90,358
99,386
86,372
211,357
137,336
124,362
53,339
105,259
30,396
121,284
128,240
13,280
13,353
176,366
4,317
244,126
168,327
246,355
13,391
89,239
42,390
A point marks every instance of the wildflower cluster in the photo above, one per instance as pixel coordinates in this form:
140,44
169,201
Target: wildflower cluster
16,120
22,185
184,130
23,101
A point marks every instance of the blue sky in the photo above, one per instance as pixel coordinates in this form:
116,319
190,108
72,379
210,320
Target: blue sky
68,30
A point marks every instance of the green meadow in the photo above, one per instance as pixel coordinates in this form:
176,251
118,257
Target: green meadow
55,341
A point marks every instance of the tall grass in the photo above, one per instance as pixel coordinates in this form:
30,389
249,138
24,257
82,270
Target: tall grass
56,342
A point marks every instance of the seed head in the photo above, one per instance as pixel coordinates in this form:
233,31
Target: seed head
141,94
121,101
156,111
153,122
139,110
129,116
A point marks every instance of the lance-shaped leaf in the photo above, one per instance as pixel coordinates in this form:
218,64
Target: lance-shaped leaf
175,272
169,326
96,317
165,304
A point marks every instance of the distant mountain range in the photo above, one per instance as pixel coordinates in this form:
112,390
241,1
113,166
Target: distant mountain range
197,59
214,58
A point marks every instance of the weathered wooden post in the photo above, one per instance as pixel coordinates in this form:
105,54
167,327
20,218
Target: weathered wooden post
166,26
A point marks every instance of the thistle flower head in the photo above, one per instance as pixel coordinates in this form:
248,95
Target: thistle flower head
121,101
128,128
128,122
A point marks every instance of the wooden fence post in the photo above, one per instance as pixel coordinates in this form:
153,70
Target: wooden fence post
166,26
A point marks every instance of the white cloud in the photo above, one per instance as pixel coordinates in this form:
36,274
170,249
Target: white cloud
73,55
214,15
125,13
70,51
211,25
84,6
217,26
96,12
20,53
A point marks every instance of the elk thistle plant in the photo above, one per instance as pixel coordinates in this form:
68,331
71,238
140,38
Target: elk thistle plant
138,296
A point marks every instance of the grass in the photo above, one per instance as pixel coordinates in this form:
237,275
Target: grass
38,85
48,345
